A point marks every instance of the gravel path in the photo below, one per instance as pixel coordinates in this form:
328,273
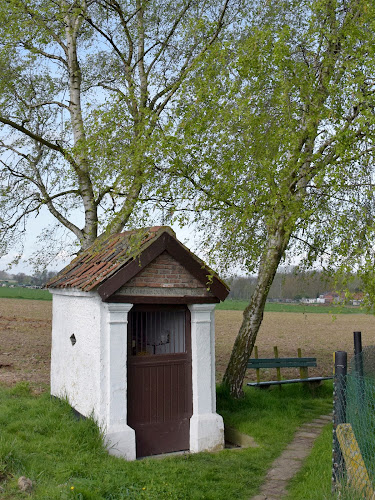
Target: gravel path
290,461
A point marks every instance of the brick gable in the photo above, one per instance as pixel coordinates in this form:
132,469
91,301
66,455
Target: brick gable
164,272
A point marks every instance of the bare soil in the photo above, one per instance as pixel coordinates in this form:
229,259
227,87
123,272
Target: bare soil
25,339
318,335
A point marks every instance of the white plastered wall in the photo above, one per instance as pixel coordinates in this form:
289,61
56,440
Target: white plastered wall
206,426
75,368
92,373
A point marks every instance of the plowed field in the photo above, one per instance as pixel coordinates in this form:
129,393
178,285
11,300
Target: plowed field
25,339
318,335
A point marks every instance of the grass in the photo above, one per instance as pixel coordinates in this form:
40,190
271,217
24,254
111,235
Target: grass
24,293
272,416
227,305
41,439
239,305
232,305
313,481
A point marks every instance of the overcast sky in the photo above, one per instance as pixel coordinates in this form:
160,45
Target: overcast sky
34,227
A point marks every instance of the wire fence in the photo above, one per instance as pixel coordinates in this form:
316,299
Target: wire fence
353,472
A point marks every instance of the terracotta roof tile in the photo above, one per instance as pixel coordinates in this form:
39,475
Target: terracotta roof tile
106,256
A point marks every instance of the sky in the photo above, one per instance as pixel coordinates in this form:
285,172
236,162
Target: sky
34,226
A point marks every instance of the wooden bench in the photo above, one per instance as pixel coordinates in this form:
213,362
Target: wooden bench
302,363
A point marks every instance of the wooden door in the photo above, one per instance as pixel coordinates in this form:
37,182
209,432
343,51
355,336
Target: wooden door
159,378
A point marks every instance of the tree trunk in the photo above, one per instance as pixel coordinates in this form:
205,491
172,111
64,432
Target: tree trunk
90,230
253,314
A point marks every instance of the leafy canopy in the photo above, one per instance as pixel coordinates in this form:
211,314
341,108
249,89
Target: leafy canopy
277,130
86,90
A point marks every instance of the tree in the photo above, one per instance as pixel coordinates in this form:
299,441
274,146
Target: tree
278,153
4,275
86,87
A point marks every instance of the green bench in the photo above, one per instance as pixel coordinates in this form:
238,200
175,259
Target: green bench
302,363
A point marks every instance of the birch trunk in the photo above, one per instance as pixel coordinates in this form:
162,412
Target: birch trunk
82,167
253,314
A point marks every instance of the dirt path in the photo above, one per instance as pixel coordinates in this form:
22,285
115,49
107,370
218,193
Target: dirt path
290,461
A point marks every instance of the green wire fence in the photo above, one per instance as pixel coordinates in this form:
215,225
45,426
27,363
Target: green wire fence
353,459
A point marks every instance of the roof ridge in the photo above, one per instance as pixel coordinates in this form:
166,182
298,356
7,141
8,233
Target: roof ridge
116,248
107,261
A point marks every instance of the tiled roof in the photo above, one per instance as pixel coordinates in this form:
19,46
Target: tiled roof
104,258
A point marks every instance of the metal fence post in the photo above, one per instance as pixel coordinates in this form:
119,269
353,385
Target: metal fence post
339,413
358,366
357,353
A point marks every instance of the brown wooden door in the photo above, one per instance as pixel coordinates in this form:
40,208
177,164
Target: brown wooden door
159,378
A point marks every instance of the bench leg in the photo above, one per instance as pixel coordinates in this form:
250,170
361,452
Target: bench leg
303,371
313,385
276,354
257,369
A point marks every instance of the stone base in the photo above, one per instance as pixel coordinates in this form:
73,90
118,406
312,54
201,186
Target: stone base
120,442
206,432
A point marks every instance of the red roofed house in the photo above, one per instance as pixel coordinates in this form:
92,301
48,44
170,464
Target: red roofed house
133,343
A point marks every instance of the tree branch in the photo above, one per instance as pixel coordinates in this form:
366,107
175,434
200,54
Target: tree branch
132,103
172,88
40,20
114,5
46,103
33,49
47,199
310,245
41,140
141,55
169,36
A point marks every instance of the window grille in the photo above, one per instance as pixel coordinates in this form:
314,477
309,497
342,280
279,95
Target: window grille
156,332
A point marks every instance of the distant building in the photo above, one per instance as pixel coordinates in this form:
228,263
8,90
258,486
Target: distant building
10,283
357,299
306,300
335,298
330,298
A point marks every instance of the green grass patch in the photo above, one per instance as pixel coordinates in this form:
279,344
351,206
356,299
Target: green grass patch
65,457
232,305
24,293
227,305
313,481
272,416
239,305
